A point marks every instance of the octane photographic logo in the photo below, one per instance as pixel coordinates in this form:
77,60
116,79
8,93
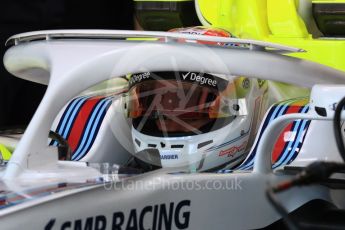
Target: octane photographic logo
173,184
182,69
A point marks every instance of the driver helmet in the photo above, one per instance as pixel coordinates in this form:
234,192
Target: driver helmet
201,121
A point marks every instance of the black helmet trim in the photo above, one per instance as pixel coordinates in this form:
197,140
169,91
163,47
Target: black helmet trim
202,79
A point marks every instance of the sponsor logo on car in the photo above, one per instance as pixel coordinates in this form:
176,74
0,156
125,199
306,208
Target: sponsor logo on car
233,150
169,157
173,215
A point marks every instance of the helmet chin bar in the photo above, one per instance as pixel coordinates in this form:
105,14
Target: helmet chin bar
199,152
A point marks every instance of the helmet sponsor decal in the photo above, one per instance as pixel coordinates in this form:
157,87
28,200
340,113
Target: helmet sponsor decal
233,150
136,78
202,79
246,83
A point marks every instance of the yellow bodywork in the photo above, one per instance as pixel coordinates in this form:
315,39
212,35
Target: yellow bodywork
5,152
278,21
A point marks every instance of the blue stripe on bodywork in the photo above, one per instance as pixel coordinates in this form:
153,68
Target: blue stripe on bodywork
290,149
74,105
271,116
279,110
97,126
90,128
86,131
299,127
72,118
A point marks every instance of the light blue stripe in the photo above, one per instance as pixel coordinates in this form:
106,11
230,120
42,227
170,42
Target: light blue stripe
304,123
66,117
229,142
87,130
282,105
296,142
94,126
107,102
281,109
92,133
276,110
272,117
287,149
249,165
71,108
245,165
70,120
296,128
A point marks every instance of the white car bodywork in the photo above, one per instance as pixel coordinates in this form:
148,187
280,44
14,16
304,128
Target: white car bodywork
72,61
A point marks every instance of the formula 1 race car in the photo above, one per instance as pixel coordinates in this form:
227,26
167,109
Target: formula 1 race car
313,25
88,159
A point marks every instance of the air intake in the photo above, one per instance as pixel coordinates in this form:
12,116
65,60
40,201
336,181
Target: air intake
203,144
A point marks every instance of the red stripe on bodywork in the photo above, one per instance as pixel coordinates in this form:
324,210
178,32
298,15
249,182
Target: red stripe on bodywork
280,144
80,122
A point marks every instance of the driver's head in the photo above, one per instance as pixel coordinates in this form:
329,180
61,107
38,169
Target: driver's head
185,114
199,120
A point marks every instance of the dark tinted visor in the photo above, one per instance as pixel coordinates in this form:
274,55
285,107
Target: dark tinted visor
178,107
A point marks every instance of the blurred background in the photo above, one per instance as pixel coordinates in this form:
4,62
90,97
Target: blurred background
19,98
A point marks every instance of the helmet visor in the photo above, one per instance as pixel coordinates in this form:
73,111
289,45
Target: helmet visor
173,107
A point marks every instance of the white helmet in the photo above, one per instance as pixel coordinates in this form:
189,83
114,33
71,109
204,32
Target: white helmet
197,120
